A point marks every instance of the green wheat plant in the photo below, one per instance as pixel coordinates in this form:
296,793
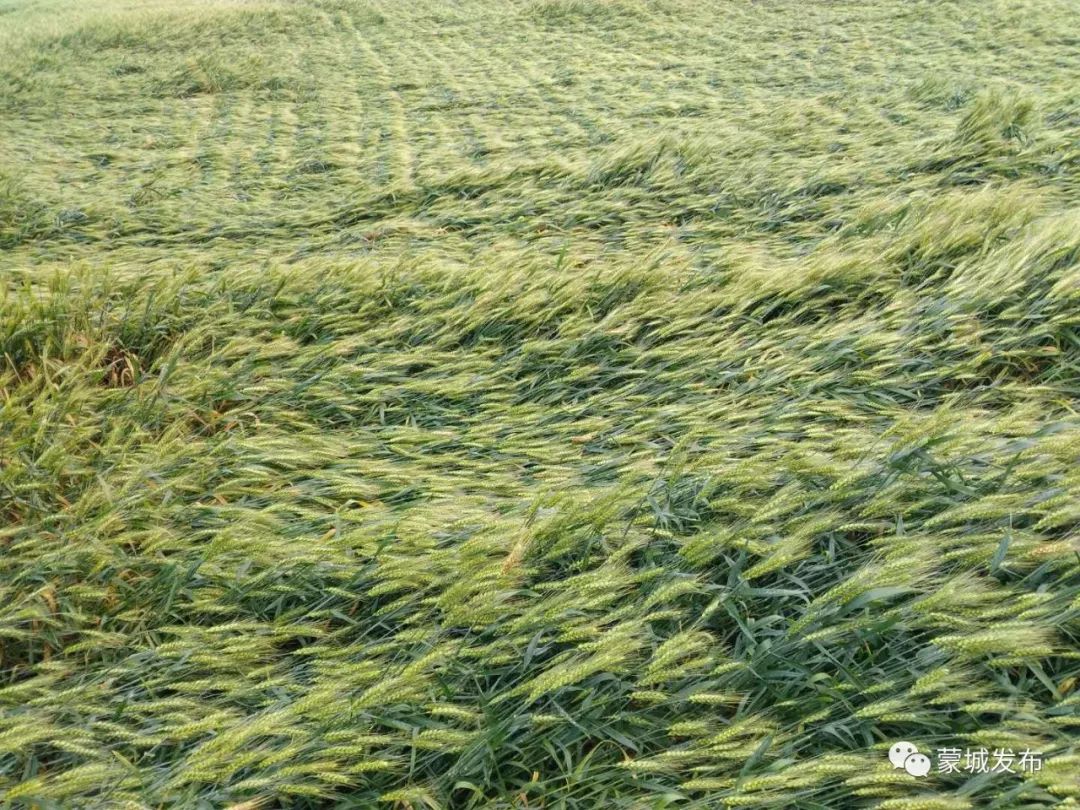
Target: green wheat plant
570,404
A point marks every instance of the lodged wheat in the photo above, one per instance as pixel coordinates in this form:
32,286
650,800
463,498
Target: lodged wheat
549,403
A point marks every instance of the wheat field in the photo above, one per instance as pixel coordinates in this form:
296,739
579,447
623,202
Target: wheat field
559,404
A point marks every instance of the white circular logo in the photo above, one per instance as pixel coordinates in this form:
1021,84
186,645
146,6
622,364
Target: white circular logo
917,764
904,755
901,751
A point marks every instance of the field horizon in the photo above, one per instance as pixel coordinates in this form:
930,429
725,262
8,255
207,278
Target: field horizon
541,404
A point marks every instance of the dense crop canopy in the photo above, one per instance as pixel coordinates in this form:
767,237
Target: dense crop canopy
555,403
